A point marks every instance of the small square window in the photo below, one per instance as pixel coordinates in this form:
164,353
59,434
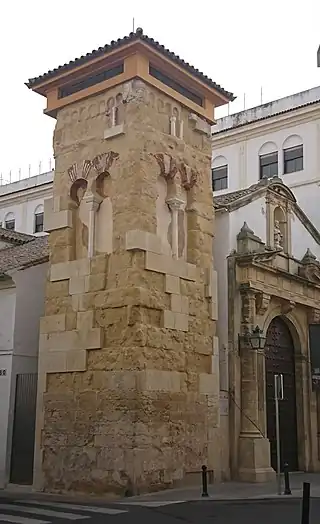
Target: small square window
268,165
10,224
38,222
219,178
293,159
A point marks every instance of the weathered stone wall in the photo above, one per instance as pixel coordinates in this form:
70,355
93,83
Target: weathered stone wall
129,364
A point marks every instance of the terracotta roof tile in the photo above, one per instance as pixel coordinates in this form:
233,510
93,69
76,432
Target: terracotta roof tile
31,253
14,237
138,35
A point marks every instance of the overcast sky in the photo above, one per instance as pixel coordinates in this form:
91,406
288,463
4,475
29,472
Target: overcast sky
240,44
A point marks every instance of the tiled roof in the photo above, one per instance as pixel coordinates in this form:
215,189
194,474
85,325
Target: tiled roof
138,35
229,198
14,237
31,253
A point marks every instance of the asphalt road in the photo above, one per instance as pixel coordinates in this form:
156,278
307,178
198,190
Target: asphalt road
30,511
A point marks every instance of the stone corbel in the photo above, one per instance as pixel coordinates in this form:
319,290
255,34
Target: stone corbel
287,306
175,204
248,308
262,303
314,316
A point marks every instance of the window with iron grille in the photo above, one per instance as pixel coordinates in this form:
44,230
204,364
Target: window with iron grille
268,165
219,178
293,159
38,222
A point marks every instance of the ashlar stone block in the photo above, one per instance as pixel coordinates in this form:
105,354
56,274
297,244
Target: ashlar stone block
172,284
136,239
53,323
156,380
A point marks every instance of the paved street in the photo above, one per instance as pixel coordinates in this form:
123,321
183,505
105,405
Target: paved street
26,511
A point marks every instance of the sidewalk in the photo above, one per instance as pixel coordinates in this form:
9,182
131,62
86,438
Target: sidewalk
237,490
219,492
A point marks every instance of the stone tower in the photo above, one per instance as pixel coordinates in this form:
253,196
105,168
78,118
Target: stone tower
128,395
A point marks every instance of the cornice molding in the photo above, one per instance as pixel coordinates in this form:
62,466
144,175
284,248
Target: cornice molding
265,126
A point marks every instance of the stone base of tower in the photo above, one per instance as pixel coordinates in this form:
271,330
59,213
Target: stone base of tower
142,411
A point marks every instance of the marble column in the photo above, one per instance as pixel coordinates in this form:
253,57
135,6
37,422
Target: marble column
94,202
175,204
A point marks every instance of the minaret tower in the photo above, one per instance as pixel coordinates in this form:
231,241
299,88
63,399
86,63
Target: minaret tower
128,396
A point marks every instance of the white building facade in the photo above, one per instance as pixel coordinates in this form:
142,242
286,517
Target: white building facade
279,138
266,177
22,203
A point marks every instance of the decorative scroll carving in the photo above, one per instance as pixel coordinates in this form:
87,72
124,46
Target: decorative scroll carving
103,162
75,173
262,303
248,306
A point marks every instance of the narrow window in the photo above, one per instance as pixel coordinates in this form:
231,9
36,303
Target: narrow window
268,165
293,159
38,222
219,178
10,224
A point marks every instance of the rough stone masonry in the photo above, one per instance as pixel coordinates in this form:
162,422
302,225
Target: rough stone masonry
129,367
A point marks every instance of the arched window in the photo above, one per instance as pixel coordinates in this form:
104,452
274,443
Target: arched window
219,173
292,154
9,221
268,160
38,219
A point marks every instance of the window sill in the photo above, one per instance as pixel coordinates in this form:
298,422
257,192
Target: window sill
114,131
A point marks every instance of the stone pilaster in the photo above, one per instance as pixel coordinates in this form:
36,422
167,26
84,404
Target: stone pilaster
254,447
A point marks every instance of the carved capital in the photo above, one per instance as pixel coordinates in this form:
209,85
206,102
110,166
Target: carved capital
188,175
175,203
168,166
262,303
102,163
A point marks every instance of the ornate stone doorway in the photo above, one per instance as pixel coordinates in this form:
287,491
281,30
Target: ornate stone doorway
279,359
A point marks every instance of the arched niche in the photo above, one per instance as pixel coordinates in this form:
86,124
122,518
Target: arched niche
77,192
104,217
163,215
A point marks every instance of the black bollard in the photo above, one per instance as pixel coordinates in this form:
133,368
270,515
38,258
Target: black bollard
287,490
204,482
305,514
